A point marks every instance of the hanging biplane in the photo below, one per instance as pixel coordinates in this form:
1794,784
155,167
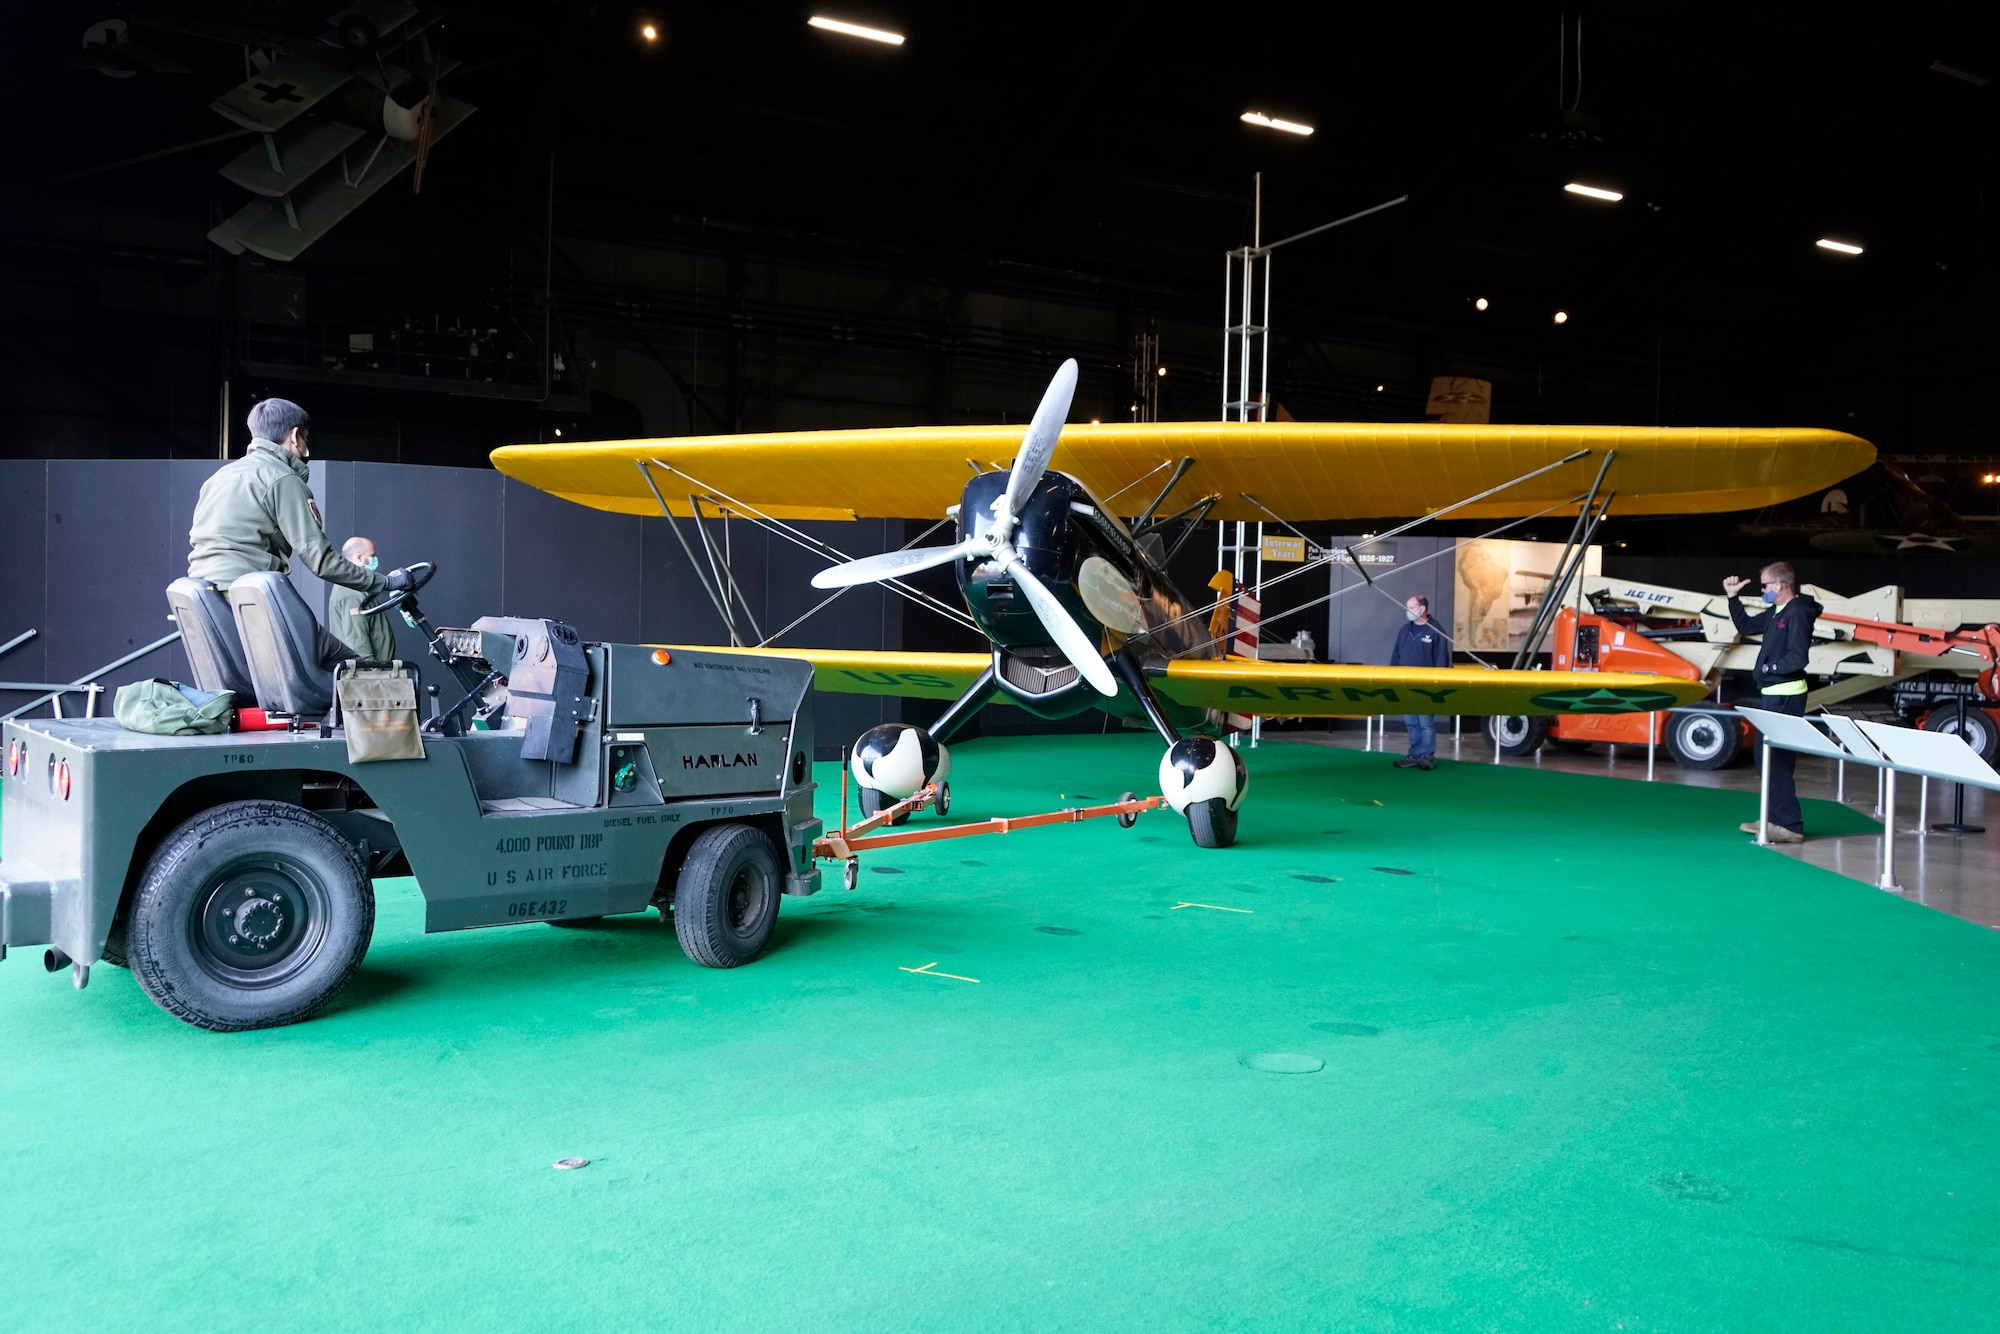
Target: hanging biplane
1076,600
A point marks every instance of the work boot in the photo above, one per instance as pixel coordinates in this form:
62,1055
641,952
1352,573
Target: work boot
1408,762
1780,834
1748,826
1426,763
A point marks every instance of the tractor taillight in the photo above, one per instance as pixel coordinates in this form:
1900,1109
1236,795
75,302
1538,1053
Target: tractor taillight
62,779
13,759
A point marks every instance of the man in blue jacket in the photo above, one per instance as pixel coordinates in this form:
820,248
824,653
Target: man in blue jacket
1419,644
1780,677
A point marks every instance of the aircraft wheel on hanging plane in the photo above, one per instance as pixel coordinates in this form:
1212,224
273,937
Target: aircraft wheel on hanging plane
892,761
1205,781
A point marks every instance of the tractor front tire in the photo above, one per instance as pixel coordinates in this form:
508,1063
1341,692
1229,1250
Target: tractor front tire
726,899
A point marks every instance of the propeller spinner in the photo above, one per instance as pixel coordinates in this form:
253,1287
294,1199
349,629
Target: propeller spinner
996,543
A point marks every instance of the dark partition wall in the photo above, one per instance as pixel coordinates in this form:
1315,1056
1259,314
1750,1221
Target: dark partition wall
90,546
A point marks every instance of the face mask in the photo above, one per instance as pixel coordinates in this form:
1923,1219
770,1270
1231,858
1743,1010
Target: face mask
374,562
1770,597
1412,614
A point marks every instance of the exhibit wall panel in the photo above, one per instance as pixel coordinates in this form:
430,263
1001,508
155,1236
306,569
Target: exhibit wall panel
1362,622
109,521
24,601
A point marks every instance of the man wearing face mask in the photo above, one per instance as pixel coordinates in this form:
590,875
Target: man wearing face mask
256,511
1780,676
1419,644
370,634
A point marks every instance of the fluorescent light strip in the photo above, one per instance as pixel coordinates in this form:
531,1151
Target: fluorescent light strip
1592,192
856,30
1841,246
1269,123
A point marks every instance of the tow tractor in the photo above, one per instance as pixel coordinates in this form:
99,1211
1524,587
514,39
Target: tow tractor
1862,643
571,780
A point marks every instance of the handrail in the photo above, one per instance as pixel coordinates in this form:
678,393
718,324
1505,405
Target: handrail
90,678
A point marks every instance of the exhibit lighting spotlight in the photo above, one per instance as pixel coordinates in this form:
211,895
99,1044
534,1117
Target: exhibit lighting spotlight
1562,317
1841,247
649,32
1273,123
1480,304
881,35
1593,192
1163,370
1378,388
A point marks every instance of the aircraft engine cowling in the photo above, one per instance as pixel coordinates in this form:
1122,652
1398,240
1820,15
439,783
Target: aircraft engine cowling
897,759
1198,769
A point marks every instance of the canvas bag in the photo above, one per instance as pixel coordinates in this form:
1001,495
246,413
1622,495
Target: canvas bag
377,711
167,708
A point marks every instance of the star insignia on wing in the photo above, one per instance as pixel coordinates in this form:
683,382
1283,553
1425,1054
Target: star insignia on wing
1604,700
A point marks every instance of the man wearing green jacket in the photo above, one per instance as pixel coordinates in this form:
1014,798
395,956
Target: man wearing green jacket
256,511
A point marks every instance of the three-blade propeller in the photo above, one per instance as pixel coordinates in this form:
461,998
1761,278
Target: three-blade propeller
997,542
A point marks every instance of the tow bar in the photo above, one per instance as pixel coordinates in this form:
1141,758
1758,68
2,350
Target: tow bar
851,841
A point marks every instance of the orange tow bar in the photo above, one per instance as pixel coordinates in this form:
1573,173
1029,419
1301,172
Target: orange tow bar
847,845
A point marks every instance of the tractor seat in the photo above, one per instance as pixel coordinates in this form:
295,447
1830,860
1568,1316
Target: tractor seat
208,634
281,644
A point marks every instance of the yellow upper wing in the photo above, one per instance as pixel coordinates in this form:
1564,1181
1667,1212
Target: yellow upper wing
1301,470
1317,690
1276,689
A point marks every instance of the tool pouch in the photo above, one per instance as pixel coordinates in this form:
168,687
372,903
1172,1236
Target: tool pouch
376,709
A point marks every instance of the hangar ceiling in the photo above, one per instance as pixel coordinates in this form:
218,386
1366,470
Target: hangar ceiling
748,223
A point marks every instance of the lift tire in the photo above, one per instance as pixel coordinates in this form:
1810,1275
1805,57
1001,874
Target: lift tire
1520,734
1704,740
874,801
1980,732
727,896
1212,823
249,915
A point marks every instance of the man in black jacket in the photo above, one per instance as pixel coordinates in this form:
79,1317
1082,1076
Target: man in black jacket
1780,676
1419,644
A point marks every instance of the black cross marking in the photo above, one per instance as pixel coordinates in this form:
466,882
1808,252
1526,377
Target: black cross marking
276,93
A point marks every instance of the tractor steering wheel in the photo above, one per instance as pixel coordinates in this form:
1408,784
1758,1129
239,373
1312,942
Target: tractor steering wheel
403,585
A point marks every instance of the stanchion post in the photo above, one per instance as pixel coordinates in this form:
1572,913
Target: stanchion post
1888,880
1764,798
1924,807
1840,781
1652,737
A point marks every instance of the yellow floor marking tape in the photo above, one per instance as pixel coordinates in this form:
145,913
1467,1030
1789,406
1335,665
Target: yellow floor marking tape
1216,907
930,970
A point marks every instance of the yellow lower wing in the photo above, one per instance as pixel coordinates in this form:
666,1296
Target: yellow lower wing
1302,471
1314,690
842,671
1275,689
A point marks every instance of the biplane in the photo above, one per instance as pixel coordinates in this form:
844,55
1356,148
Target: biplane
1072,590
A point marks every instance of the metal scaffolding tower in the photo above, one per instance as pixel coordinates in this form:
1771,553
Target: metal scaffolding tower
1246,347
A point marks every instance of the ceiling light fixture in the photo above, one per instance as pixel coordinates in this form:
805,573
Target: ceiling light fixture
1163,370
1480,304
1841,246
649,32
1562,317
881,35
1593,192
1378,388
1272,123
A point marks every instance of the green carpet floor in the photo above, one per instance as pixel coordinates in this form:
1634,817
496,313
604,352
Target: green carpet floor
1592,1062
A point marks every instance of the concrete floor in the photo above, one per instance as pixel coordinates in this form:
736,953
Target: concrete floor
1954,873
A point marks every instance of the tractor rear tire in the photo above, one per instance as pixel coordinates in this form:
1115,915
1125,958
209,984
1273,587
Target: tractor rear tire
726,899
249,915
1212,823
1704,740
1520,734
